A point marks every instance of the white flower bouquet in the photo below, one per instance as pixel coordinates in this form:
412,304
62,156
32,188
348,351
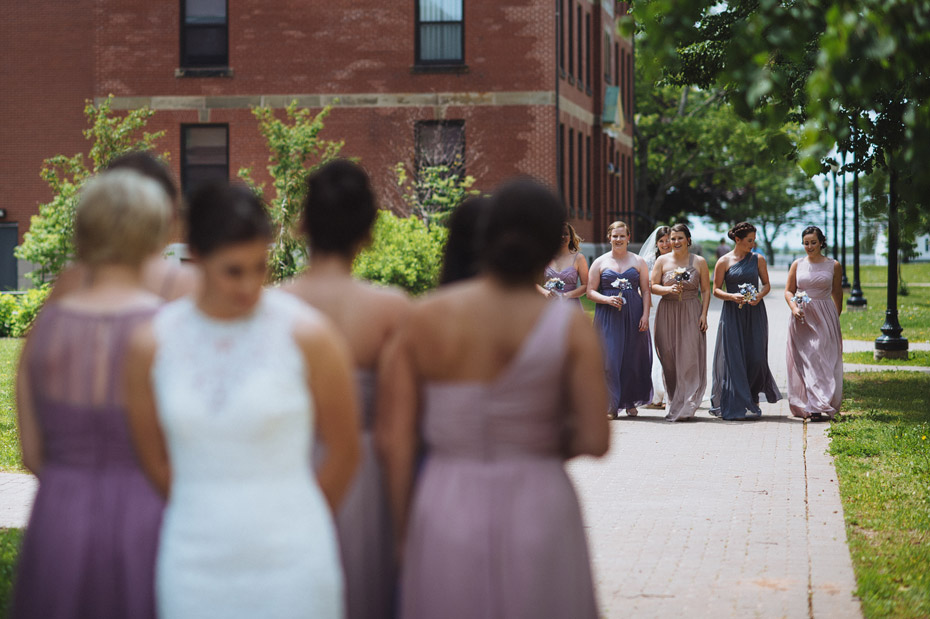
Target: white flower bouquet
749,293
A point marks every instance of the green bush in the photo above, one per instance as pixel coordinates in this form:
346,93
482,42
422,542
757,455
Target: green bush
8,306
27,308
404,252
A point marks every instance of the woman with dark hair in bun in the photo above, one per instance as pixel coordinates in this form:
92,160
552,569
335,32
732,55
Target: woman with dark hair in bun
741,367
814,293
502,386
339,212
226,391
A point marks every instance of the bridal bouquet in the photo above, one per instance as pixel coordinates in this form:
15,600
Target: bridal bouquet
623,284
681,275
749,293
555,284
802,299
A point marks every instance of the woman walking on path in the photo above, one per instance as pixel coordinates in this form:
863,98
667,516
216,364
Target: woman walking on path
567,273
619,284
89,549
656,244
339,212
241,376
681,324
741,368
815,341
503,387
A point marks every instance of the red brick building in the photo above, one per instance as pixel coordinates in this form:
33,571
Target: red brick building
477,76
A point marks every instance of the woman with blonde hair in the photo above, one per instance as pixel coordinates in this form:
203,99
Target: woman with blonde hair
90,546
619,284
566,275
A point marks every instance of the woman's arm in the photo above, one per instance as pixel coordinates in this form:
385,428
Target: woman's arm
764,277
720,270
581,265
790,288
838,287
594,279
330,380
704,274
589,431
644,292
144,428
30,435
655,279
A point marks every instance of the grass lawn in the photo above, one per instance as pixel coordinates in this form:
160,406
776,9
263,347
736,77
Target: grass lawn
882,454
9,548
911,273
915,357
10,457
913,314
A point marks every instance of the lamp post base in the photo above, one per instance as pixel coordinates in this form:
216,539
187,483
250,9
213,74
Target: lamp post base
890,347
890,354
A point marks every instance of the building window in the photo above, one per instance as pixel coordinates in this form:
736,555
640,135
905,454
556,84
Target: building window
440,32
204,155
587,49
607,58
622,202
562,36
617,64
622,82
629,86
441,143
571,38
588,175
204,33
580,47
580,174
571,172
562,162
629,185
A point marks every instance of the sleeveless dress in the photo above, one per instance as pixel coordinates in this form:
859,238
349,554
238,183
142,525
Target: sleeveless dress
247,531
658,377
495,527
627,350
681,345
815,346
363,523
570,277
90,546
741,366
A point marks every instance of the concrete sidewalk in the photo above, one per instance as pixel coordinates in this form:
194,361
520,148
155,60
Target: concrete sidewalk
719,519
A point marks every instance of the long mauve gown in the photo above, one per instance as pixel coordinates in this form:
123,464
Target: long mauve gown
681,345
363,523
495,527
627,350
815,346
741,366
92,538
570,277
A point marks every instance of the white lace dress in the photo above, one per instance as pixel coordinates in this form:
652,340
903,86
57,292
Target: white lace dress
247,531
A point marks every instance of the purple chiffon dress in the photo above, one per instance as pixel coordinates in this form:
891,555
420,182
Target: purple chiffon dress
681,345
741,357
90,546
570,277
495,527
815,346
627,350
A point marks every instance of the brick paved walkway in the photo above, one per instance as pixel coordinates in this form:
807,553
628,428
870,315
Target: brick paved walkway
719,519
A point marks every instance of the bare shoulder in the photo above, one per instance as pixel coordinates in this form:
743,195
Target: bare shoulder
699,260
71,279
314,332
761,260
388,298
837,267
142,341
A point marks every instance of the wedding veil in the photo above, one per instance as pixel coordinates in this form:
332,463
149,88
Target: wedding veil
648,251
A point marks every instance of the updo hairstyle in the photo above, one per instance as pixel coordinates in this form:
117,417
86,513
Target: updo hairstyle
740,230
818,232
460,258
521,232
122,218
220,215
684,229
339,209
660,232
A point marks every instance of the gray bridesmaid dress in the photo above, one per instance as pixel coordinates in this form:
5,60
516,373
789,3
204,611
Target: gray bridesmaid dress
681,345
741,367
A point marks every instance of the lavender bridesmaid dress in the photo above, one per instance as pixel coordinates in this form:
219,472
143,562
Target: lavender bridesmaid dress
627,350
741,366
681,345
815,346
495,527
570,277
90,546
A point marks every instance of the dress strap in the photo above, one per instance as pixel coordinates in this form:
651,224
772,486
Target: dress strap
690,260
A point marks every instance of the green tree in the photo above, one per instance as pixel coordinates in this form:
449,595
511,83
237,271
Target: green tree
295,150
433,192
48,243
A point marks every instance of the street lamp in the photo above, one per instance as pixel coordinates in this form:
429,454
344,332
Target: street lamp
856,300
890,344
826,217
834,167
845,283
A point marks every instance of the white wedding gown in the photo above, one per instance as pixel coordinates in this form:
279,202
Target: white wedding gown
247,531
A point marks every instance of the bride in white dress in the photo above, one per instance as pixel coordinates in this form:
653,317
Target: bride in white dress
226,389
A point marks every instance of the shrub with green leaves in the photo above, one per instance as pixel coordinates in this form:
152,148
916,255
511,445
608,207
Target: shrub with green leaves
28,306
8,307
404,252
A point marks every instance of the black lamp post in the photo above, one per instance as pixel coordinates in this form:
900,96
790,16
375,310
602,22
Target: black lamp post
890,344
836,256
826,216
845,283
856,299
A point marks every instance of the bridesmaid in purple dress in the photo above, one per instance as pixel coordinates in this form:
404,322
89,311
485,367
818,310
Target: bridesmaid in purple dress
683,281
503,387
568,268
339,212
815,341
619,284
90,546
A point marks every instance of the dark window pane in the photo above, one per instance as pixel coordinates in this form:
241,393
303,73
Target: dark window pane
205,156
440,10
441,41
205,45
205,12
